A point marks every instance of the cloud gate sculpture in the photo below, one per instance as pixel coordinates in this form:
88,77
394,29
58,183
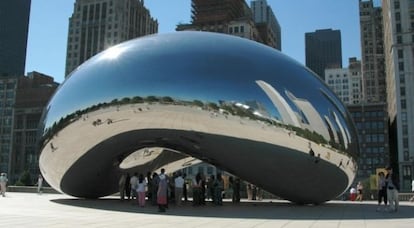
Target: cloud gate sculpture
167,99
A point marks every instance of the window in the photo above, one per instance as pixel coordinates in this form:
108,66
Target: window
399,39
402,91
396,4
401,66
400,54
398,28
242,29
403,104
397,16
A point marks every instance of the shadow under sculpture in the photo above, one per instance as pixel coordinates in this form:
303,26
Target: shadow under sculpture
177,98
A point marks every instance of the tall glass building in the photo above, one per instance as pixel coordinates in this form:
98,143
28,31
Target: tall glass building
323,50
14,24
96,25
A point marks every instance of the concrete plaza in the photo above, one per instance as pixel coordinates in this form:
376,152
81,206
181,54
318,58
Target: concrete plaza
57,210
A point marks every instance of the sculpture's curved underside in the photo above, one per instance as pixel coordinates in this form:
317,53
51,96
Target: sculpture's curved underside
167,99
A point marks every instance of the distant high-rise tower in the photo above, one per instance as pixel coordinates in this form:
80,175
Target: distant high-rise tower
346,82
14,24
399,58
323,50
96,25
372,52
266,23
234,17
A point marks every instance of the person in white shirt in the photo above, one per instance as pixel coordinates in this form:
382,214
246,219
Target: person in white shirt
40,184
141,185
412,189
179,183
134,181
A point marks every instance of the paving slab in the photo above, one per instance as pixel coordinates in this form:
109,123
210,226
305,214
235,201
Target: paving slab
58,210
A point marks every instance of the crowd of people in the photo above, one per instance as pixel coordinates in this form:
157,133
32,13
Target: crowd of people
161,189
387,194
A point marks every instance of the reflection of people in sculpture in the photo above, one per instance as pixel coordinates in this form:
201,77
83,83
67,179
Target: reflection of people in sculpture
311,153
52,147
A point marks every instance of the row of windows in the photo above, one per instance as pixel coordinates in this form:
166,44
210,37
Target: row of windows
372,138
371,161
372,150
236,29
370,125
368,114
9,85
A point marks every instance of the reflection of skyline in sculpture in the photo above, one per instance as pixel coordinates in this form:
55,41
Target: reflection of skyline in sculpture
314,120
344,135
332,132
196,95
287,115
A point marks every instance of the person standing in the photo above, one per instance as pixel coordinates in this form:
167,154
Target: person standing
3,184
40,184
392,190
133,185
128,186
382,190
218,189
155,181
360,189
236,191
162,191
141,184
122,181
412,189
179,184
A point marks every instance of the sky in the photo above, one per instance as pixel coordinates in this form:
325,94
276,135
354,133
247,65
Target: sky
49,20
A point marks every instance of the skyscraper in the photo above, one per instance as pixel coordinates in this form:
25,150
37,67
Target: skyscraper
235,17
346,82
372,52
323,50
14,24
399,45
266,23
96,25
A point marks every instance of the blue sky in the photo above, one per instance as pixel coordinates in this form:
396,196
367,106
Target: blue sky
46,51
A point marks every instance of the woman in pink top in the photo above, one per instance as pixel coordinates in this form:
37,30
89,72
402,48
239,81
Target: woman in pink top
141,190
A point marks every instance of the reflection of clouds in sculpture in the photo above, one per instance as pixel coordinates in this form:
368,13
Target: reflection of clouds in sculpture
194,96
287,115
342,130
314,119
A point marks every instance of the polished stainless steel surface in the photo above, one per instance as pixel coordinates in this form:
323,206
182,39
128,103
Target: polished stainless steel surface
187,96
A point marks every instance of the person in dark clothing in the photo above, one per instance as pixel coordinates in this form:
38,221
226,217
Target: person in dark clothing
236,191
128,186
185,188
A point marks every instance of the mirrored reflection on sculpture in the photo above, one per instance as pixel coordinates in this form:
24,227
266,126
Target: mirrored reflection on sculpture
187,96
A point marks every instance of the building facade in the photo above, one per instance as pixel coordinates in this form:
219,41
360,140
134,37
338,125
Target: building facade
234,17
96,25
267,24
14,25
8,87
346,82
323,50
398,16
372,52
371,122
32,94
